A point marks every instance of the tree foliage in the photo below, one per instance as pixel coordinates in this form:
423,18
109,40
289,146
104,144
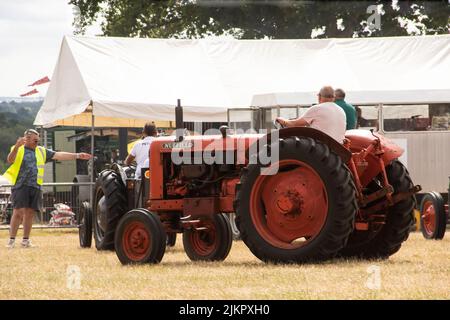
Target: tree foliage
15,118
282,19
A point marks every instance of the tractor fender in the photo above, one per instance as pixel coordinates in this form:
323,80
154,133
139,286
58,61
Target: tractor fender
121,172
315,134
82,191
360,139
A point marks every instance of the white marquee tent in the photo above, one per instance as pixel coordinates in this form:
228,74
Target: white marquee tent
134,78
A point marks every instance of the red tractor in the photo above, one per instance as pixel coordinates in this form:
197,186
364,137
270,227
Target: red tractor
325,199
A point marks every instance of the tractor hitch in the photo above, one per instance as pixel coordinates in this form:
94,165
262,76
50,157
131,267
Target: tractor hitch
386,204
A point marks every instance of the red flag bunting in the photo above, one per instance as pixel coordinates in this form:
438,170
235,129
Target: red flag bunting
40,81
29,93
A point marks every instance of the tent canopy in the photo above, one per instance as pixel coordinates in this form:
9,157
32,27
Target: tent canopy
135,78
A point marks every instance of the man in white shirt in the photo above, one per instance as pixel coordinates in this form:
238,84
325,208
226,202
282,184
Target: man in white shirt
326,116
140,151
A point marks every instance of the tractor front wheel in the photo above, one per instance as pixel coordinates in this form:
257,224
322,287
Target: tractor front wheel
213,243
110,204
85,225
140,238
433,220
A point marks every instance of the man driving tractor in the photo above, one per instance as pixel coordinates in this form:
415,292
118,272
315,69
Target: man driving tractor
140,151
326,116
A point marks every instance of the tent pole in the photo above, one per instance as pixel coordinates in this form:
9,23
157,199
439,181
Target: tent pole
91,188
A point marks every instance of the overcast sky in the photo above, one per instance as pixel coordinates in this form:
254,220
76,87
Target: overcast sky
31,32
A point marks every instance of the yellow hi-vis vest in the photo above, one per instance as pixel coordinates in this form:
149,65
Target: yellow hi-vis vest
13,171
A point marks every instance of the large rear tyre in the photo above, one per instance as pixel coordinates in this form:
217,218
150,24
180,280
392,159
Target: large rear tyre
433,220
304,212
213,243
85,225
388,239
110,204
140,238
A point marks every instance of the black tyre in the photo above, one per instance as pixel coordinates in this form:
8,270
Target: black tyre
85,225
212,244
387,240
304,212
110,204
433,220
140,238
171,239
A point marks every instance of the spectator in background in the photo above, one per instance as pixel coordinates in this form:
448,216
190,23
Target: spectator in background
360,121
141,149
349,110
26,174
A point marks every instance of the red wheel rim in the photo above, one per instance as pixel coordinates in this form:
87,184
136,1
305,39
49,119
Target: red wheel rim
429,218
204,242
290,208
136,241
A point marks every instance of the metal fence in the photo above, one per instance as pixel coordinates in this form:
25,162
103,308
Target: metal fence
61,203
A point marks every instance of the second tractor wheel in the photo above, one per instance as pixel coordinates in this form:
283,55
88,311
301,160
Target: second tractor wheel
85,225
211,244
433,220
387,240
110,204
140,238
304,212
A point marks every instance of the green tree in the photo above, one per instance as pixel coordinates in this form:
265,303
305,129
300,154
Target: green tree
15,118
258,19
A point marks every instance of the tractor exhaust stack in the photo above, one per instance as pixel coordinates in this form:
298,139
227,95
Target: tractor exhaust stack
179,121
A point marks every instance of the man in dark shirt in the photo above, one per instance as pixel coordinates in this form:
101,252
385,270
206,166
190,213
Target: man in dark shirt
26,173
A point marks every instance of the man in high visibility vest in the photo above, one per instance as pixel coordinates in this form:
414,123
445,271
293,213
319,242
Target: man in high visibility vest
26,173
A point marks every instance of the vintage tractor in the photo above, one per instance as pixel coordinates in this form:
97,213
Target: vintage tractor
317,200
434,215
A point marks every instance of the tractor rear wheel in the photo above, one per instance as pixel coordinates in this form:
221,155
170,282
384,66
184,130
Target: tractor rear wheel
388,239
85,225
110,204
433,220
304,212
140,238
213,243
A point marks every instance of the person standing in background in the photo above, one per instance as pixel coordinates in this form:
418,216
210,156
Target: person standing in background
350,111
26,174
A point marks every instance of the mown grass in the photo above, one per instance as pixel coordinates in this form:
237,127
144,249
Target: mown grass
421,270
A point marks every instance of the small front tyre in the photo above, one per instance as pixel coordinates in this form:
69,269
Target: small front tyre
85,225
140,238
433,220
210,244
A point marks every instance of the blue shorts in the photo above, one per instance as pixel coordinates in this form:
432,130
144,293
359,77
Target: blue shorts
27,197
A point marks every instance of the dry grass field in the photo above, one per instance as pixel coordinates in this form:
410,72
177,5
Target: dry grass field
421,270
